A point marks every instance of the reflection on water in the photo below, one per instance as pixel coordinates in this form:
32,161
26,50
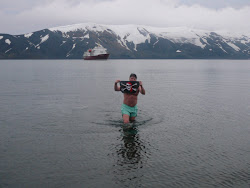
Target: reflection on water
129,153
130,157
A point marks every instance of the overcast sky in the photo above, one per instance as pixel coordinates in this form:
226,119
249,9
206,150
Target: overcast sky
24,16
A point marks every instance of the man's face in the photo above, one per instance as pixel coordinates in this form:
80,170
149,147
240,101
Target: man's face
132,78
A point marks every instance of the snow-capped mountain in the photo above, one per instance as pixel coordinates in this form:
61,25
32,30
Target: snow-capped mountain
125,41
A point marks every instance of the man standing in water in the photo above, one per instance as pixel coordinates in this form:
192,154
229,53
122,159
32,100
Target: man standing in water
129,106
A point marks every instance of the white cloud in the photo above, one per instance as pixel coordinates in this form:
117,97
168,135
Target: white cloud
162,13
217,3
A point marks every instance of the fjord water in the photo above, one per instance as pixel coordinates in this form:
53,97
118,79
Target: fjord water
61,125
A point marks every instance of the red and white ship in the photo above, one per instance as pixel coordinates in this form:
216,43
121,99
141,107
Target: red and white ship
97,52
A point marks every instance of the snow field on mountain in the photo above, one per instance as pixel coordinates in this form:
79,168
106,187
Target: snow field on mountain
28,35
140,34
7,41
43,39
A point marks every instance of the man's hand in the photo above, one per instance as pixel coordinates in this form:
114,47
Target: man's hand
117,81
140,83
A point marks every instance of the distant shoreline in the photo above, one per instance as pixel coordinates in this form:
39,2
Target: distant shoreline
125,59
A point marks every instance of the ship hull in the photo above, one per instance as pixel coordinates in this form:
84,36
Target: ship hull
101,56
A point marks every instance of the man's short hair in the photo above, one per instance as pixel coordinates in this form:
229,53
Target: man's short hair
133,75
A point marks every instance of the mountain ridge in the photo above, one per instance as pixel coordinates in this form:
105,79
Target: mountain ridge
125,42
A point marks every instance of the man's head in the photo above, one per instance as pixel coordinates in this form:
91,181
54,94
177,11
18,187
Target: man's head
132,77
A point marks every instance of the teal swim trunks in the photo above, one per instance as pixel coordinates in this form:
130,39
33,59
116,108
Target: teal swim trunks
131,111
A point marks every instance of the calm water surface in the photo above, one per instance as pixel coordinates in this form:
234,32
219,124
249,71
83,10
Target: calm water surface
61,125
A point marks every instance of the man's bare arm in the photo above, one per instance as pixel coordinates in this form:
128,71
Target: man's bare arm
141,88
116,87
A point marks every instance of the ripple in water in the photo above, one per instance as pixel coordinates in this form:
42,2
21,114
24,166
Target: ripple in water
114,118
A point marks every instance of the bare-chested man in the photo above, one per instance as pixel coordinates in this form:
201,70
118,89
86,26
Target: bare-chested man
129,107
